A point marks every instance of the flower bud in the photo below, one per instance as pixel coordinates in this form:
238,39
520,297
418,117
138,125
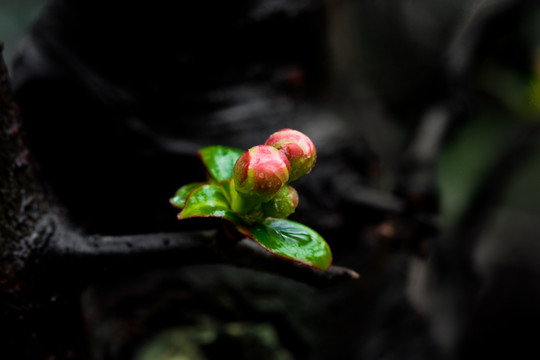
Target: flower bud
261,172
282,204
297,147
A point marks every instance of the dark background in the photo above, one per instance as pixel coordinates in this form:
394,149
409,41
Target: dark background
117,97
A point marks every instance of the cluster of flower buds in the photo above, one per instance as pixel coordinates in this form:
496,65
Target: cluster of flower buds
261,175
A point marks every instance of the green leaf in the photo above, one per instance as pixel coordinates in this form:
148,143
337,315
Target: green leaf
219,160
179,198
291,240
207,201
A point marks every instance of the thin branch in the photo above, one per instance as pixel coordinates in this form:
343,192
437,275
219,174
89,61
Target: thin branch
247,253
139,252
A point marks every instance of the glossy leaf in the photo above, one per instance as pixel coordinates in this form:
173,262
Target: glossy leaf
207,201
179,198
291,240
219,160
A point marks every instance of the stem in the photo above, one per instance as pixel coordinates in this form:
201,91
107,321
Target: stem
242,204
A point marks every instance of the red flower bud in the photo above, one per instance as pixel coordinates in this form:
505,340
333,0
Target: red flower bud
282,204
261,172
298,148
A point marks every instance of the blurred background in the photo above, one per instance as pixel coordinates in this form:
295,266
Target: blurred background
394,51
16,20
425,115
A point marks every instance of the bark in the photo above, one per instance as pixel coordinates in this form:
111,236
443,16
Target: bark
25,221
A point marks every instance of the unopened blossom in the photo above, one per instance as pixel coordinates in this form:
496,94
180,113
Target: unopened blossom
283,204
261,172
297,147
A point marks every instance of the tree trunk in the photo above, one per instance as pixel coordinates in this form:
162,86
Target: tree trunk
24,207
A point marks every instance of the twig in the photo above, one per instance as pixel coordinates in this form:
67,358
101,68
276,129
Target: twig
247,253
139,252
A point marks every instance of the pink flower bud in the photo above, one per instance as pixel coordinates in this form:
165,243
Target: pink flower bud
297,147
282,204
261,172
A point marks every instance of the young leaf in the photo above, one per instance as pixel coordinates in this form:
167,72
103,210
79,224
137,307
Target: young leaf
207,201
291,240
219,160
179,198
